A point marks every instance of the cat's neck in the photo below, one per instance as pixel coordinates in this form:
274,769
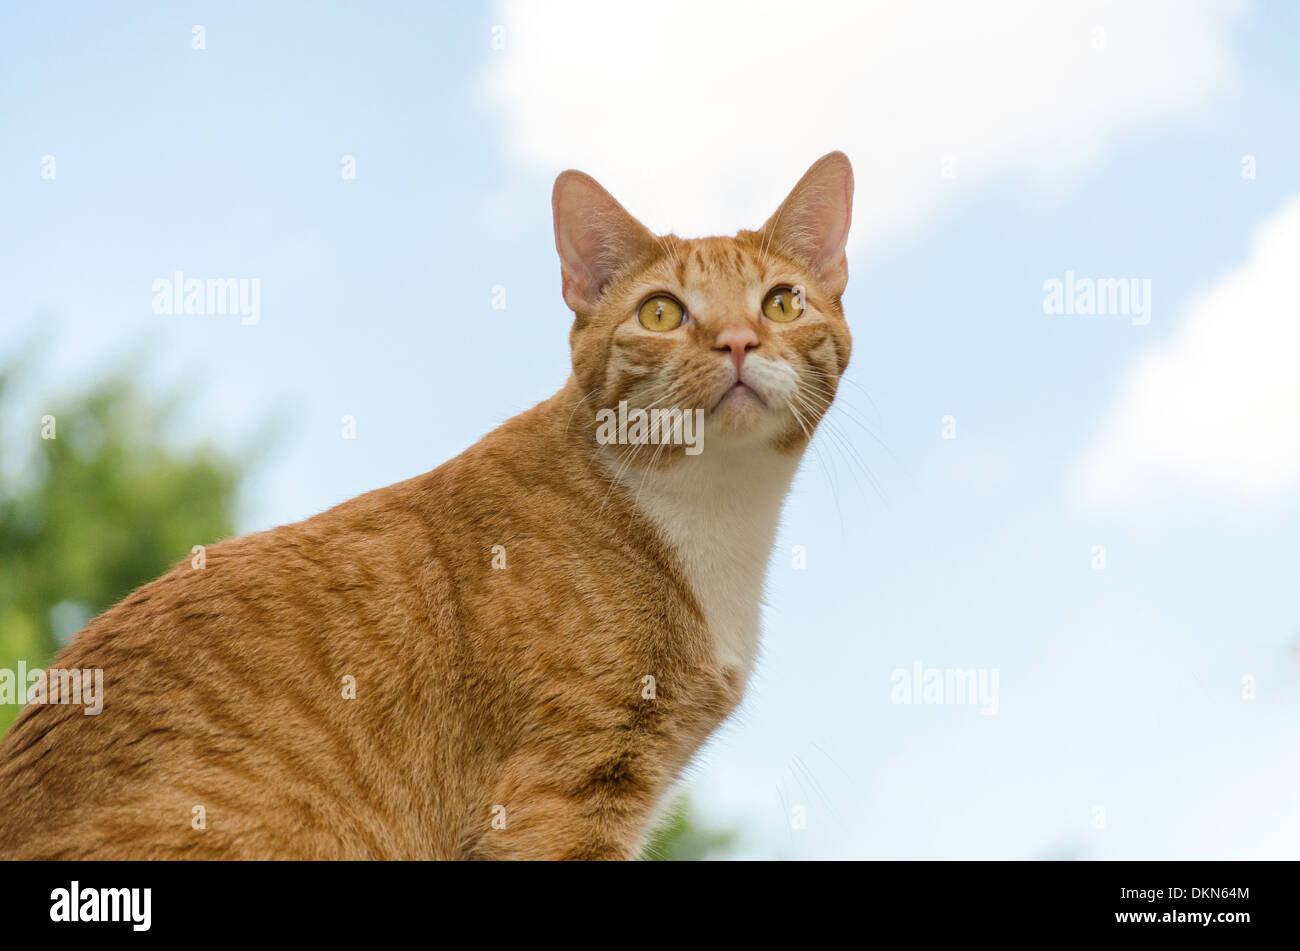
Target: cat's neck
719,511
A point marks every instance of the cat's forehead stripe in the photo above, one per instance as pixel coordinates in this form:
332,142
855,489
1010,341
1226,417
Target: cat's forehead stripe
712,258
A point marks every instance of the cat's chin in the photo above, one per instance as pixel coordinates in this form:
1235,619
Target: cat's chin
741,416
739,398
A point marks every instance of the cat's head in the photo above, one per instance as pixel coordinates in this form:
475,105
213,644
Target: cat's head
745,332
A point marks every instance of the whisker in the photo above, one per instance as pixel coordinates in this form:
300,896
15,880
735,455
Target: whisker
568,422
845,447
840,406
830,481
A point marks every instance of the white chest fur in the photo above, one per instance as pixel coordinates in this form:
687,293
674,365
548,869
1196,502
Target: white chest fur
719,510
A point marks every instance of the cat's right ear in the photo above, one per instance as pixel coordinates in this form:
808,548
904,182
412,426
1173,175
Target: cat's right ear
812,224
595,237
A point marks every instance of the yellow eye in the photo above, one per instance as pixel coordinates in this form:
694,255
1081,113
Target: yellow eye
783,304
661,313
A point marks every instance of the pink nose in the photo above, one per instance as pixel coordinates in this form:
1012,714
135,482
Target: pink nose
739,339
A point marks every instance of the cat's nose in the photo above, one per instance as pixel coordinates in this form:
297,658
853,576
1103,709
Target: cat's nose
739,339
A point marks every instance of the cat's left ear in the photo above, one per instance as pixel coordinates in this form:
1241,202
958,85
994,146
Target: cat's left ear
812,224
595,236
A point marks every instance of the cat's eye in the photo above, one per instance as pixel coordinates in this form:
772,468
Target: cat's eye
783,304
661,312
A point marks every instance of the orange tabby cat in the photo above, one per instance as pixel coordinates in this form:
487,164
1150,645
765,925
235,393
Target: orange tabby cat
511,656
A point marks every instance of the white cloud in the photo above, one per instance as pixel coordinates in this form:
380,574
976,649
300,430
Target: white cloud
727,104
1214,410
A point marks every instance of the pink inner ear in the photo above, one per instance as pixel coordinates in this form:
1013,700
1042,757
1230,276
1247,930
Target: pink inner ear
580,262
593,235
574,257
576,290
576,237
814,220
830,213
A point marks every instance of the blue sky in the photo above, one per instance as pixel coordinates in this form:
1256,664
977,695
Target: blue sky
1116,154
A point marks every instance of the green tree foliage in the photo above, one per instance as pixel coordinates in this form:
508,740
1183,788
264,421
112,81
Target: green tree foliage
681,837
101,503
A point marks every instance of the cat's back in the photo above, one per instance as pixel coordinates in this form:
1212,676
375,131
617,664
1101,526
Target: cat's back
348,686
243,690
229,690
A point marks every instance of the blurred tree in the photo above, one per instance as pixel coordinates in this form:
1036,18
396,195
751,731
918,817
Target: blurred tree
103,505
679,837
